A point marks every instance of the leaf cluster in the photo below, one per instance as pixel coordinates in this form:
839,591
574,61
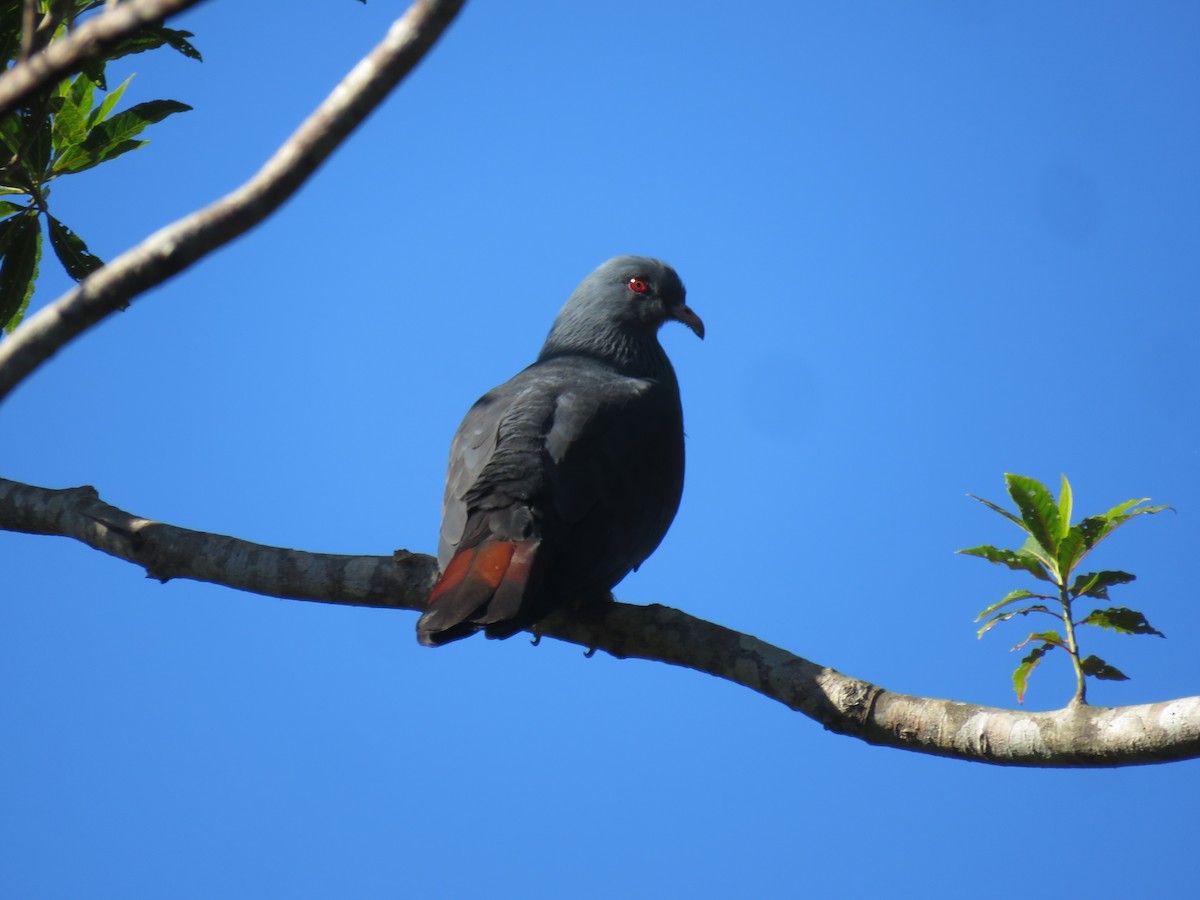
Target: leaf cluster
1052,553
65,130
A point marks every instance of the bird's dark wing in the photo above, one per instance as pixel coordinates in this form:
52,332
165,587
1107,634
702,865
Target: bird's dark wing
561,480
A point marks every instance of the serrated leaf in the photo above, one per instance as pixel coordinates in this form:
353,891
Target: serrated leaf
1097,668
1010,558
71,251
1011,597
18,269
1038,510
1025,669
1096,584
1000,509
1121,620
1004,617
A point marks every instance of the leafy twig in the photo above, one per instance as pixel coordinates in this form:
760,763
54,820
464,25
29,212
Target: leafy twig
1052,552
177,246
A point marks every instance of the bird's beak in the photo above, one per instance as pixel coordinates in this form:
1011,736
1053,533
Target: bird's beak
681,312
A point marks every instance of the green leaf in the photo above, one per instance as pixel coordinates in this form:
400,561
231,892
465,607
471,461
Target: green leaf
7,208
1049,638
94,69
1012,597
1000,509
1119,510
1071,550
1010,558
1021,675
153,37
114,137
1004,617
129,123
100,113
71,251
71,119
1065,501
1038,510
12,133
1094,529
8,229
1123,512
1121,620
78,160
18,269
1096,584
1032,548
1097,668
36,153
178,40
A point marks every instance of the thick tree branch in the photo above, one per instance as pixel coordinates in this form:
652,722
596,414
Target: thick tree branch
174,248
89,41
1079,736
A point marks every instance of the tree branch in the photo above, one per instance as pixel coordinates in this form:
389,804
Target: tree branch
174,248
1078,736
89,41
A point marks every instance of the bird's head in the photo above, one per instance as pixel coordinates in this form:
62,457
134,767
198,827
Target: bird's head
634,295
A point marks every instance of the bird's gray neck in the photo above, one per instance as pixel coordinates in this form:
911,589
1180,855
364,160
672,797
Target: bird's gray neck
630,353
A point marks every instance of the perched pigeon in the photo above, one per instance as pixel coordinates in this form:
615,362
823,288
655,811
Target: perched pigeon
567,476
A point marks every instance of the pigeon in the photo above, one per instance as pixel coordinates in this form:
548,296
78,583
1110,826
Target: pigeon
566,477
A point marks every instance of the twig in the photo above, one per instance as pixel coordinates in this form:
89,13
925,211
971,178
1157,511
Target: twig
174,248
88,42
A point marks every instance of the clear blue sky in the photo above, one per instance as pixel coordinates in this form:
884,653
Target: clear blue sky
932,242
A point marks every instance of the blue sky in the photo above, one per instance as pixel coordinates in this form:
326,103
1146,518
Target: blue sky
931,242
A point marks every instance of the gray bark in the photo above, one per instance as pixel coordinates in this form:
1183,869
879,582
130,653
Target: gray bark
1077,736
174,248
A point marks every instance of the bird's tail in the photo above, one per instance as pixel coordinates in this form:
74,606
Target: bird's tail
483,587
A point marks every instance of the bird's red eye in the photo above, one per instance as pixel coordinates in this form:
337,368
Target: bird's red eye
638,285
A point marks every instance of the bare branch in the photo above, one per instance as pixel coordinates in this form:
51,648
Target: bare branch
1078,736
89,41
167,552
174,248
